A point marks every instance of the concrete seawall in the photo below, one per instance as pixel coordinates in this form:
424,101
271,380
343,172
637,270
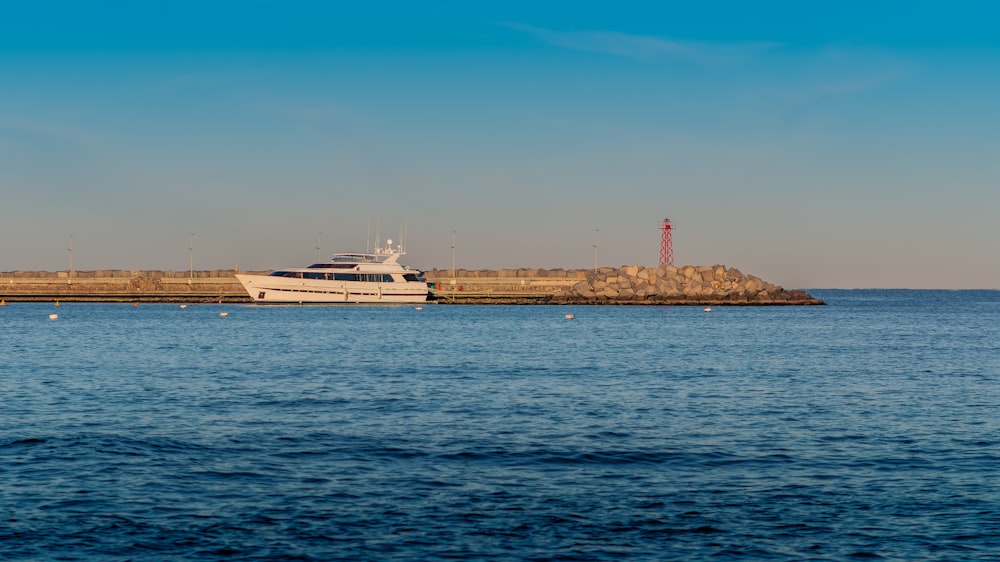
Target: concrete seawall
122,286
692,285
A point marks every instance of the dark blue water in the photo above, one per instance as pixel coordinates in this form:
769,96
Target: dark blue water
868,428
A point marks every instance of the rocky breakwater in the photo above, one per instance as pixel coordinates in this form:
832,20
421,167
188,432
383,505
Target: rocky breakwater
700,285
634,284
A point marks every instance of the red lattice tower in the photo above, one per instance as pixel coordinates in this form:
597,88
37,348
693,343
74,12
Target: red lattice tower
666,243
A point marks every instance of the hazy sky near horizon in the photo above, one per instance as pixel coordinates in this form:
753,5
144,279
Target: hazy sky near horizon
847,144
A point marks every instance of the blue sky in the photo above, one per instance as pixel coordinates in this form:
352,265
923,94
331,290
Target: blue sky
847,144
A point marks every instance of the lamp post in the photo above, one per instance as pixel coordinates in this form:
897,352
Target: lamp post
453,264
190,258
69,273
319,237
596,230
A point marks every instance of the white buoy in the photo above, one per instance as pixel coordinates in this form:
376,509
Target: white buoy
418,308
184,306
53,316
223,314
708,309
570,317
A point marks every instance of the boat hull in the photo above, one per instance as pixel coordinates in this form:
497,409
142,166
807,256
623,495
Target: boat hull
265,289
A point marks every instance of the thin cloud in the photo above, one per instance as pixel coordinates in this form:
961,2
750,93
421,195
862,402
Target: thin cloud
645,46
860,84
18,129
819,79
302,110
840,71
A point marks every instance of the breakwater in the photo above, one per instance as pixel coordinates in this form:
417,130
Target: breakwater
692,285
633,284
122,286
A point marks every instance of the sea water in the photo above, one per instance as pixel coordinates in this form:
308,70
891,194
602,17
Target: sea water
867,428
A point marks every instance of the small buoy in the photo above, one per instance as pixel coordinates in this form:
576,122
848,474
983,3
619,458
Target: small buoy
184,306
418,308
708,309
3,302
223,314
53,316
135,304
570,317
57,303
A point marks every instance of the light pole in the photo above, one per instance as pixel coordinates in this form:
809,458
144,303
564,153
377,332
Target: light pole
190,258
319,236
596,230
452,264
69,274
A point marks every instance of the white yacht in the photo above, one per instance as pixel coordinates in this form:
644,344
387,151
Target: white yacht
346,278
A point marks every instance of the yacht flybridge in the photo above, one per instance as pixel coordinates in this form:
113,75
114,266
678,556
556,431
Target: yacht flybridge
346,278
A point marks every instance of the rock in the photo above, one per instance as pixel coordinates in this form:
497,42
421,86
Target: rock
691,291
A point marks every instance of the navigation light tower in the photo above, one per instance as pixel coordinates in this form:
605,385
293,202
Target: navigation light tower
666,243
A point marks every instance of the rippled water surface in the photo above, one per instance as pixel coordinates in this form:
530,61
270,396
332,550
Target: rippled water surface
866,428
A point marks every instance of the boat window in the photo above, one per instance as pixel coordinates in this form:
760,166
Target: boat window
411,277
312,275
331,266
354,258
363,277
